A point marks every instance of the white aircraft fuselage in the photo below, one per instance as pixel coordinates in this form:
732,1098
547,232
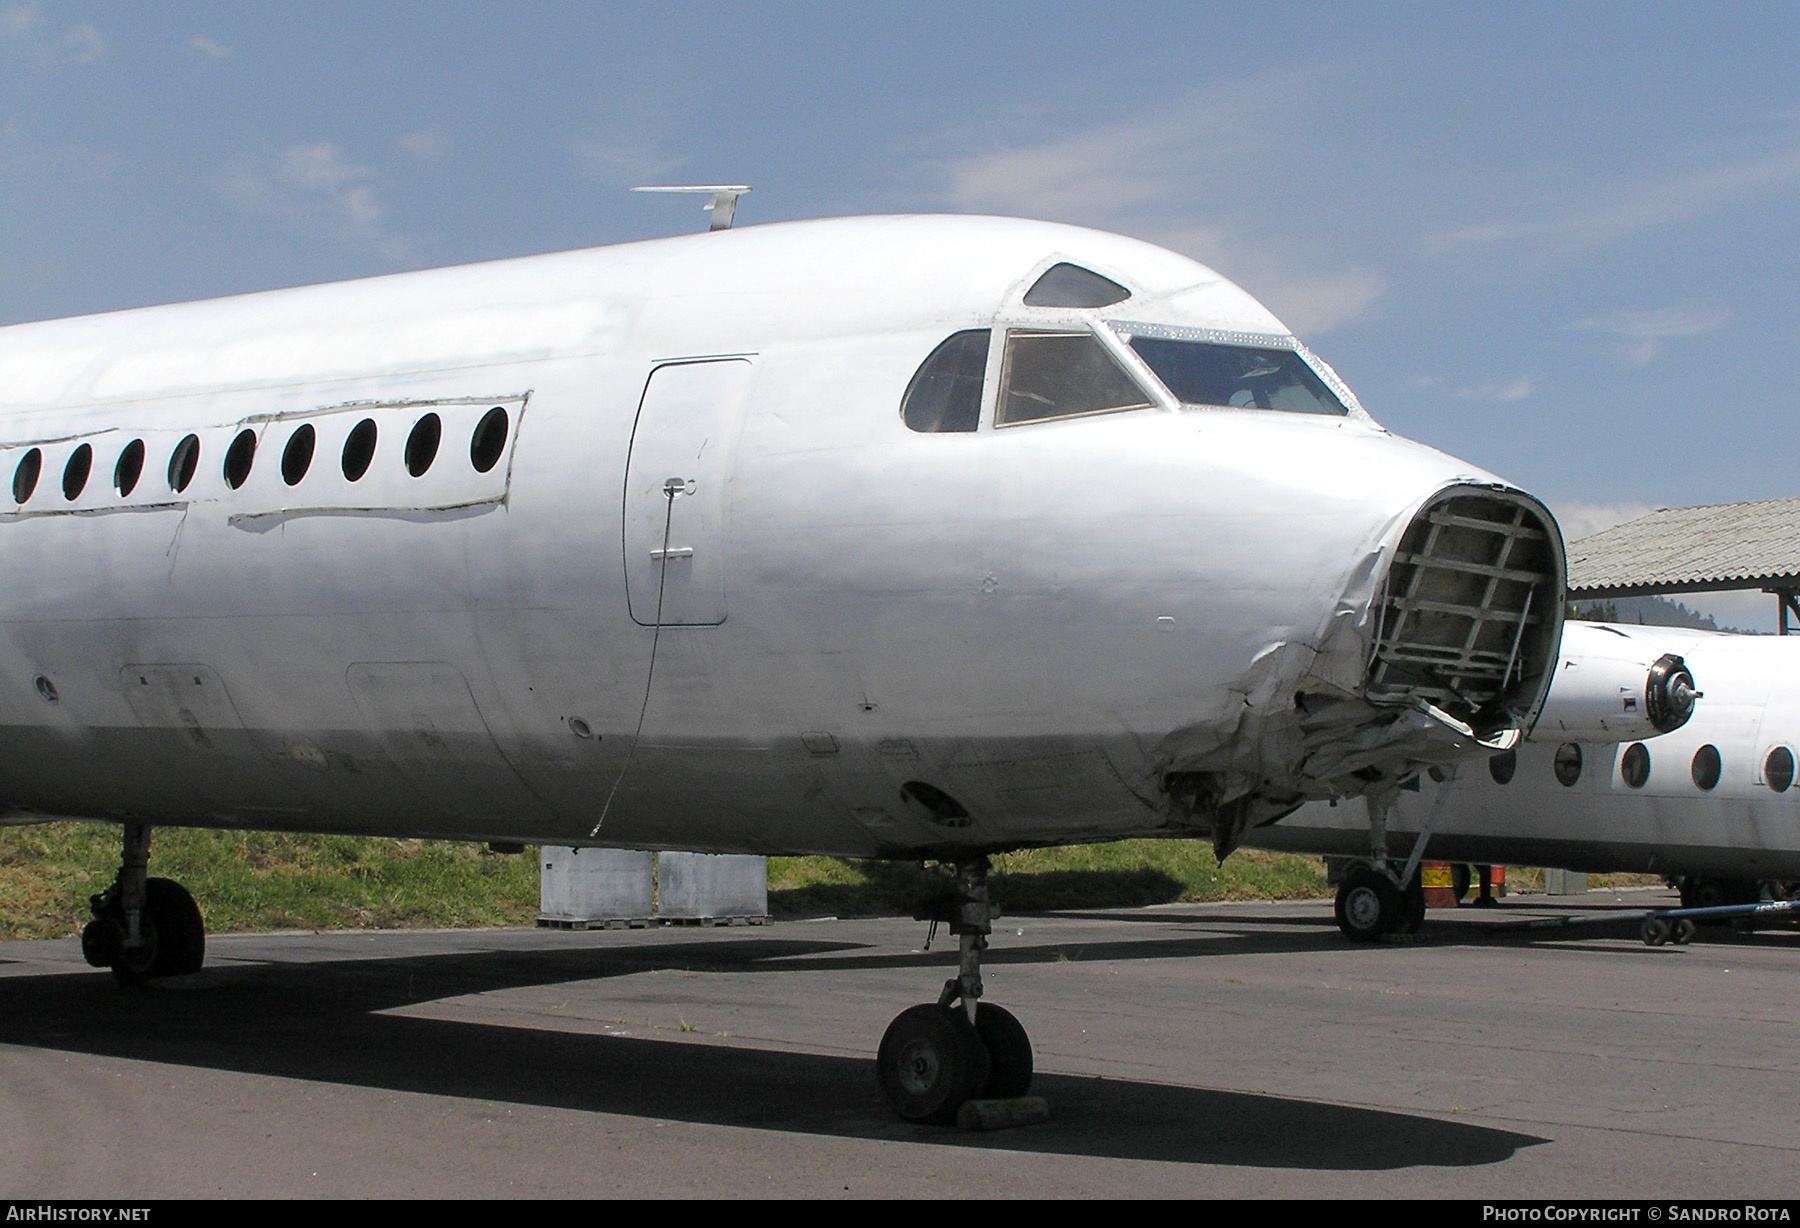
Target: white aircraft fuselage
699,585
1713,799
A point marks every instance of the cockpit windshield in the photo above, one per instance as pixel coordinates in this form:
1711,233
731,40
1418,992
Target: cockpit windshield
1244,376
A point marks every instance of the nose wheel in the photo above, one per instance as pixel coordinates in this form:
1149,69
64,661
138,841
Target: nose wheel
938,1056
143,928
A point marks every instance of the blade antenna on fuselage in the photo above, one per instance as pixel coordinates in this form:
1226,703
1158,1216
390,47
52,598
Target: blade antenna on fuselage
723,204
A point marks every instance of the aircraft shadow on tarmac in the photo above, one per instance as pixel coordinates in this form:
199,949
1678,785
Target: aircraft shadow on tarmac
325,1022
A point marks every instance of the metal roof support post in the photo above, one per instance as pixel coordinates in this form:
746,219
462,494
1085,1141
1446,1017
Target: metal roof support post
1784,601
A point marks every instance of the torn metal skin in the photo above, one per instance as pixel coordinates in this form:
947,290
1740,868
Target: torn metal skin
1440,648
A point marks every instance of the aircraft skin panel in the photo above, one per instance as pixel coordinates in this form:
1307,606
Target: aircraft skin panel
1046,621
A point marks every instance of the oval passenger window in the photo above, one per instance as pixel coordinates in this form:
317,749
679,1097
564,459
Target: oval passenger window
183,462
1634,765
422,444
75,473
1502,766
130,468
359,449
1568,764
489,440
1778,769
296,458
25,477
239,457
1707,767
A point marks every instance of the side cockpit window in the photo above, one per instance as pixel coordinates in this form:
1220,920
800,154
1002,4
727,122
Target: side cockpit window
1241,376
1070,285
1062,375
945,393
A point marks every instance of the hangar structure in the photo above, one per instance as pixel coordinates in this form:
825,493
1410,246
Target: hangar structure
1722,547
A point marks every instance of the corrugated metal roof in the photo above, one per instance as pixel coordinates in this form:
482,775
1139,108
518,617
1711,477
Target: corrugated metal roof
1691,550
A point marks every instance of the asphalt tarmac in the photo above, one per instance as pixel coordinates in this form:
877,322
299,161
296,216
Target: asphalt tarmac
1187,1050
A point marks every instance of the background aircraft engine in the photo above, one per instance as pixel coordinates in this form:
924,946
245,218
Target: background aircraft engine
1609,689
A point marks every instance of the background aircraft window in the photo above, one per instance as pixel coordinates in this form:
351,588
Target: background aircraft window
1502,766
945,393
1070,285
26,475
239,457
422,444
75,473
1706,766
489,440
1778,769
359,449
1635,766
1245,376
130,468
183,461
1060,375
1567,764
296,458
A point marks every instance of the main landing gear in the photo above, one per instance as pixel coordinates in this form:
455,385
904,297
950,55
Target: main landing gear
143,928
939,1055
1372,900
1370,903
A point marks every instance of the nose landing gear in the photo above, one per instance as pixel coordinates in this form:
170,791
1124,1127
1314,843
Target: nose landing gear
938,1056
143,928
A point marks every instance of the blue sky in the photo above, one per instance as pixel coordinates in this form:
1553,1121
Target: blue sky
1557,240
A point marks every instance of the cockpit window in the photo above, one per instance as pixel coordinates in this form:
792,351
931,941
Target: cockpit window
1203,373
1070,285
1060,375
945,393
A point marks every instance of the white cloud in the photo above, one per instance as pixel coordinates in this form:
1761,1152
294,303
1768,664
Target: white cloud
1095,172
211,48
1140,176
625,162
84,44
1643,333
1628,210
16,19
1579,520
427,145
1504,392
315,186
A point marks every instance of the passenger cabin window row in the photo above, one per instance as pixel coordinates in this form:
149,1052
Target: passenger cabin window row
1054,373
1706,768
299,444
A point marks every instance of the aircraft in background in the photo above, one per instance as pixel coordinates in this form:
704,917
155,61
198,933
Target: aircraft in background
909,537
1707,802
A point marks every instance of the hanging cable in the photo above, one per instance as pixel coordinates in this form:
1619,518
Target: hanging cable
671,488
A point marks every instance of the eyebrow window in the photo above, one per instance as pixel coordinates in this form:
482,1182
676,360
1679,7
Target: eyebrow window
945,393
1062,375
1070,285
1237,376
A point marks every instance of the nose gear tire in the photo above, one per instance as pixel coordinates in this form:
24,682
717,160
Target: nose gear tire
1008,1050
931,1062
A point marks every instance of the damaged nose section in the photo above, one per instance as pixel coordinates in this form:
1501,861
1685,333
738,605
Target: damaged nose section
1462,651
1469,619
1458,644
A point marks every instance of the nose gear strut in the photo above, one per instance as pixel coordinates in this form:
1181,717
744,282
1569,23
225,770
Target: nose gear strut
935,1057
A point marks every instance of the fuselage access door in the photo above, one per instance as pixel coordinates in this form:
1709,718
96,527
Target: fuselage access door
675,488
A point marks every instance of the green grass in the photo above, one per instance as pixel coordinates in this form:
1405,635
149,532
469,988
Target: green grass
264,881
